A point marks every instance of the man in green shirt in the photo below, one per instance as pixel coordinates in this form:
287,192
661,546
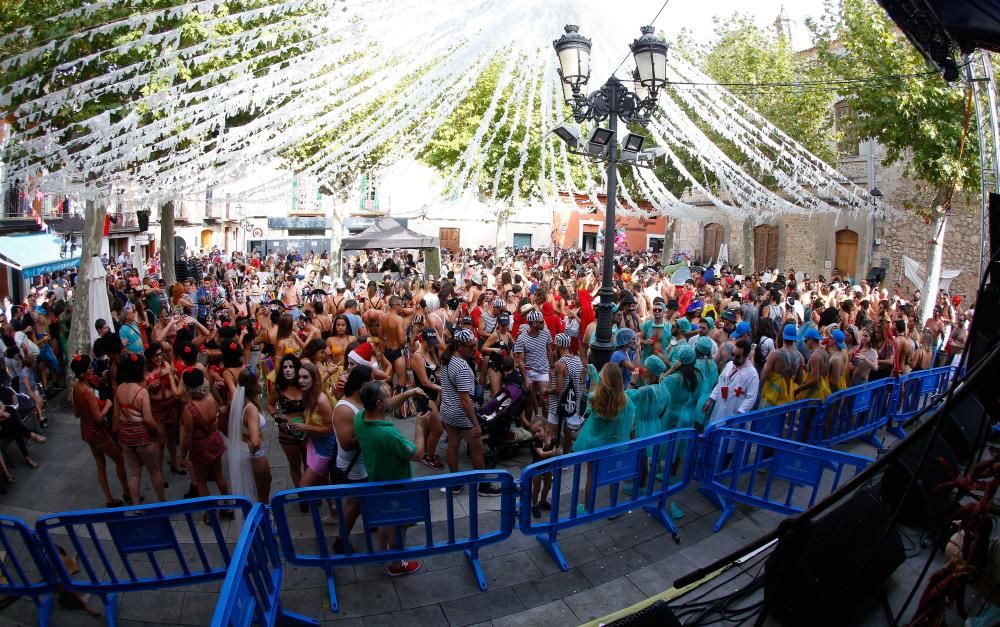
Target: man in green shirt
388,452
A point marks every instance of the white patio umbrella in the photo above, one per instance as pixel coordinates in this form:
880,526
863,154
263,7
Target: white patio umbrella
100,307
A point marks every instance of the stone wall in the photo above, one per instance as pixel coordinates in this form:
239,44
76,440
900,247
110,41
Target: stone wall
808,243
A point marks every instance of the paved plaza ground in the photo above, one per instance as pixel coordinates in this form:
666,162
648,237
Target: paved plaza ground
614,564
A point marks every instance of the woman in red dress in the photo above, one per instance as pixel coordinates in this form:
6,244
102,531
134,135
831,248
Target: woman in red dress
163,388
137,431
94,430
201,441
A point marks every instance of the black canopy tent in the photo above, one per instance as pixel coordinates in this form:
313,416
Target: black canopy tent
388,233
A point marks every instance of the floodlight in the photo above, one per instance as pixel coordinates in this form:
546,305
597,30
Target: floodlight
632,146
650,154
570,133
599,142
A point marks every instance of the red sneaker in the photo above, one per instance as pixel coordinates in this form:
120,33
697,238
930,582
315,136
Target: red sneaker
404,568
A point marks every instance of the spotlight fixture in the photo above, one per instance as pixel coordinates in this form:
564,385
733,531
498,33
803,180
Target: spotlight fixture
570,133
631,147
600,140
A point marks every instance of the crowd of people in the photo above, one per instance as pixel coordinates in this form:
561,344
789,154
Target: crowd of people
187,379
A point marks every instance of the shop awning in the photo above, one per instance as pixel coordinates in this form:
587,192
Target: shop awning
34,254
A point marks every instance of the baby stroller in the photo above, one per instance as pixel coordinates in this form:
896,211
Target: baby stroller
496,418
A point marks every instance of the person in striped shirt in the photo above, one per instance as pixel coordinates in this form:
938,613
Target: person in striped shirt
532,354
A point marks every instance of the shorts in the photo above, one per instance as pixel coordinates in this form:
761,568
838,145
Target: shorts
319,464
572,423
537,377
392,354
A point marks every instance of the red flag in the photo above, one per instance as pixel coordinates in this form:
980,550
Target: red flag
107,225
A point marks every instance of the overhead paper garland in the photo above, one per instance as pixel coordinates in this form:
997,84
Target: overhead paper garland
370,76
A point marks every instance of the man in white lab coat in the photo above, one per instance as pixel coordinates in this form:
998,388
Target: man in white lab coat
738,386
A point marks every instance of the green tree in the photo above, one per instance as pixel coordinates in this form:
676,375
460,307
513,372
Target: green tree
743,55
920,119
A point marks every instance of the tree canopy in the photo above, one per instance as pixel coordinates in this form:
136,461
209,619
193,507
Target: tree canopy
910,110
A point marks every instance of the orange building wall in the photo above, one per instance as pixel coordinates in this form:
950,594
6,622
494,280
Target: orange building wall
566,221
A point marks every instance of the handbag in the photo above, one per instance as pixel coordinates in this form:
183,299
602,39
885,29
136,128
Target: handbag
338,476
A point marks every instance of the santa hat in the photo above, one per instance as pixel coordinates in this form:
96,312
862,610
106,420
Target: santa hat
362,355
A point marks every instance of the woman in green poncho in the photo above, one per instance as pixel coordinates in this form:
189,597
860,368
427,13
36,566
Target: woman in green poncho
610,416
651,401
683,383
709,374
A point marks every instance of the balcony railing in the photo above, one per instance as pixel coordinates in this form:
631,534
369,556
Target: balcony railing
123,221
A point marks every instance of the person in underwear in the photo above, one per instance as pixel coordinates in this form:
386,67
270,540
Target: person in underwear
287,405
782,370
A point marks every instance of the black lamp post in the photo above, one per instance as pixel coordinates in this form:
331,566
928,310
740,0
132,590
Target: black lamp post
611,102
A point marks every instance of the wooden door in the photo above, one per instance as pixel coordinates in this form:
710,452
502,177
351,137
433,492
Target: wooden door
765,247
847,252
450,238
713,242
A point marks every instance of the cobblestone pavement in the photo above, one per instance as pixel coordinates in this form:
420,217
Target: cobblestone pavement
614,564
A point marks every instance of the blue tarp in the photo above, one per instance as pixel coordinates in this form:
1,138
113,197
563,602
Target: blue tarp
34,254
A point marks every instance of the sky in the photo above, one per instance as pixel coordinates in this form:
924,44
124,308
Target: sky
696,15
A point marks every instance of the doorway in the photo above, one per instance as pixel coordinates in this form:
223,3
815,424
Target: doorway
206,239
847,252
522,240
713,243
450,238
765,247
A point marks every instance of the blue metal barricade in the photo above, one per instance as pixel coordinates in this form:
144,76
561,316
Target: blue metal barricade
773,473
25,568
915,392
394,505
858,411
251,593
143,548
609,466
792,421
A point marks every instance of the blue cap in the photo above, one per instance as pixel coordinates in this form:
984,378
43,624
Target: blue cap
790,332
812,334
654,365
743,328
839,337
696,305
624,336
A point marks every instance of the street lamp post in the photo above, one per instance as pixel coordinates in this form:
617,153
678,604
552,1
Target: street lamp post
613,101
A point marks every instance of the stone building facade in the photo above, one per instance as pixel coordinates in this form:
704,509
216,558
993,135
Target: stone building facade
820,243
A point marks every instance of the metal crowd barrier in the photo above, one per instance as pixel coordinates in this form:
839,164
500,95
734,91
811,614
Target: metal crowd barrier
859,411
669,471
251,593
915,392
128,548
773,473
396,505
792,421
25,568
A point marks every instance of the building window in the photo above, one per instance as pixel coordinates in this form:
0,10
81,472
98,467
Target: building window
522,240
847,146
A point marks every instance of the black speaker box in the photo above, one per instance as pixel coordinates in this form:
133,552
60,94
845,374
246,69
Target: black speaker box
924,506
827,571
876,275
966,427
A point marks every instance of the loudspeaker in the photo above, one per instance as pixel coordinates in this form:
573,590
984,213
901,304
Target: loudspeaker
965,428
828,570
875,275
925,505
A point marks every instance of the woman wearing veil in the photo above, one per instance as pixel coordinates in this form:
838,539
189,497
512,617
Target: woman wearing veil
249,468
